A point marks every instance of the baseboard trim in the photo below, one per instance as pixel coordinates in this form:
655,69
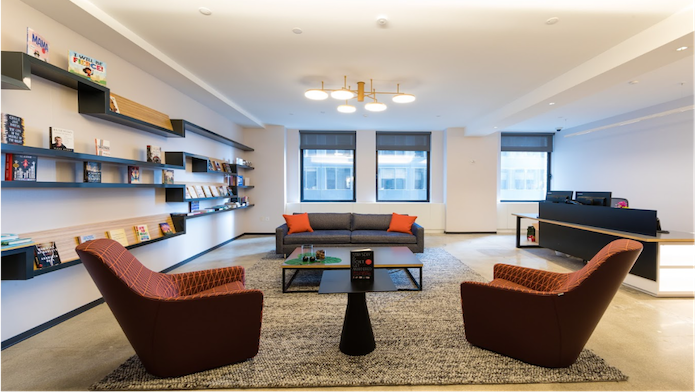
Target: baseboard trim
471,232
49,324
52,323
259,233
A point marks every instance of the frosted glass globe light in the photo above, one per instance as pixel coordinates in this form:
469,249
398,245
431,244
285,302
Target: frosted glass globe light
316,95
342,94
346,109
376,107
403,98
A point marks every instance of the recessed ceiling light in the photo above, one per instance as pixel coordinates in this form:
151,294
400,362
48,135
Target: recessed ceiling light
205,11
552,103
634,82
382,21
297,30
682,48
552,21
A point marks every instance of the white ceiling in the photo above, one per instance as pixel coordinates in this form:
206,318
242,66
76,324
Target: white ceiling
482,65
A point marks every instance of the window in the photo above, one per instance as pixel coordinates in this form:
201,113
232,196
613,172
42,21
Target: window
525,166
328,166
403,166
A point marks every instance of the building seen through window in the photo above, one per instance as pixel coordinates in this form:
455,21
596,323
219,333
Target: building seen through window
525,166
328,174
402,175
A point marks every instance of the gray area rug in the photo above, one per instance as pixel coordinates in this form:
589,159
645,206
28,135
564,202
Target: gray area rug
419,335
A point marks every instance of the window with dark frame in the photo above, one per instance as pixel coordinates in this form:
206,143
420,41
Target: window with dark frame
403,166
327,161
525,166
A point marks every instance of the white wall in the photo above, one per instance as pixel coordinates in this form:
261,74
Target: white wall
26,304
471,181
650,163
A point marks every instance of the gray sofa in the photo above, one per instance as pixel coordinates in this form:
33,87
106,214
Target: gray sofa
349,229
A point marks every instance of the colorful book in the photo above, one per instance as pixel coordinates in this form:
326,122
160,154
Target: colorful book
362,266
87,67
61,139
37,45
118,235
218,167
194,206
166,228
102,147
167,176
134,174
8,167
24,167
240,181
141,233
211,165
154,154
46,255
8,237
15,241
92,172
226,167
84,238
12,129
113,105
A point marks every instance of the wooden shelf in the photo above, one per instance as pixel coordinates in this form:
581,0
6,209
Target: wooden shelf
45,184
77,156
181,126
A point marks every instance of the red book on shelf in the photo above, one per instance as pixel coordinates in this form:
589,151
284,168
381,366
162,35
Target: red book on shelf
8,167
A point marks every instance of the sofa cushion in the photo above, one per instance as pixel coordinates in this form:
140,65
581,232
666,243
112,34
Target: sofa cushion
297,223
381,237
401,223
329,220
371,221
319,237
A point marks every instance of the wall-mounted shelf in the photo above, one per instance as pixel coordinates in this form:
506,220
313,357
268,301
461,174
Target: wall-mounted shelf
235,167
181,126
243,186
48,184
77,156
179,195
186,216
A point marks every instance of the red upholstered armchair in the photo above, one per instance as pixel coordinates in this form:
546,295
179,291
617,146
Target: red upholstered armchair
541,317
177,323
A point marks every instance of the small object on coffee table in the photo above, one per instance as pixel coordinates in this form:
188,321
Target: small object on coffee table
321,255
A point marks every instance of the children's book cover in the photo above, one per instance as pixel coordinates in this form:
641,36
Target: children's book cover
87,67
37,45
134,174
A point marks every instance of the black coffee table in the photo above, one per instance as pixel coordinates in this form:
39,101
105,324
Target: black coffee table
357,337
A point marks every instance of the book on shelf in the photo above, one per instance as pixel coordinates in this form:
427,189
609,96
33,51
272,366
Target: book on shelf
61,139
141,233
194,206
247,181
154,154
226,167
191,192
206,191
113,105
12,129
134,174
15,241
8,167
87,67
240,181
167,176
222,190
362,266
118,235
37,45
24,167
46,255
211,165
92,172
8,237
84,238
230,191
102,147
166,228
214,191
218,167
199,191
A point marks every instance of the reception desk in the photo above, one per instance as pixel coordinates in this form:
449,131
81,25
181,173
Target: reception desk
665,268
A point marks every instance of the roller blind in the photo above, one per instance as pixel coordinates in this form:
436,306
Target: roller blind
327,140
542,142
403,141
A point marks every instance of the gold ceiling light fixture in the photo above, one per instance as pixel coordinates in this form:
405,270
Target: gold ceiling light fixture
345,93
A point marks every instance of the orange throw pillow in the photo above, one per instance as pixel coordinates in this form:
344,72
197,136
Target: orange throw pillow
401,223
298,223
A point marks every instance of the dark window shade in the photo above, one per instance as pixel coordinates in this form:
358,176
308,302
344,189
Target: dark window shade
541,142
324,140
403,141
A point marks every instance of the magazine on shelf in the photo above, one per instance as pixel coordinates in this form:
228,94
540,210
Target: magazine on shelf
24,167
199,191
92,172
37,45
118,235
154,154
214,191
194,206
206,191
134,174
191,192
46,255
12,129
141,233
167,176
61,139
87,67
166,228
84,238
103,147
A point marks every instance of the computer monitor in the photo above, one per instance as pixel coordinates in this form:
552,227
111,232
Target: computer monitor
594,198
559,196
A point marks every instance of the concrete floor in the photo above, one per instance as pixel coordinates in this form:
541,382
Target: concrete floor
649,339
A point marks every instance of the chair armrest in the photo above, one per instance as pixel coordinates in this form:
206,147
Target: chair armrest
534,279
190,283
281,232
